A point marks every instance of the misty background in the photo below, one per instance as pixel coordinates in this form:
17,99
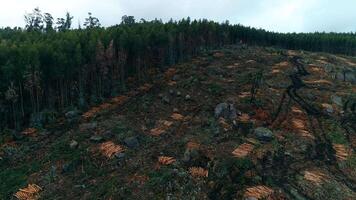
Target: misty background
273,15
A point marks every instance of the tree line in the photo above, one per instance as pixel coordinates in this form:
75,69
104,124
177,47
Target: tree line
48,66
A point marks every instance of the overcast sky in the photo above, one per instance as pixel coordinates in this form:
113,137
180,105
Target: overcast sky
274,15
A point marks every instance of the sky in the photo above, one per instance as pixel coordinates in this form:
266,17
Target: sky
273,15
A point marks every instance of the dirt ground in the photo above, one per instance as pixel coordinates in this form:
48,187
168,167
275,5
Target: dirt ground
243,122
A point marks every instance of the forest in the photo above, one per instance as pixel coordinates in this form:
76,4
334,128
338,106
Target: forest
50,67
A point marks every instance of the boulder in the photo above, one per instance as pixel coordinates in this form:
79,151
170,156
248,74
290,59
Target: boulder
263,134
73,114
73,144
225,110
131,142
96,138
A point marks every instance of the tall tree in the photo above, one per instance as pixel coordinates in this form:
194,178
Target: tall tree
34,20
48,20
128,20
64,24
91,22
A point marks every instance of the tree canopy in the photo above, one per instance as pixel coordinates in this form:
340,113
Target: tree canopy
46,69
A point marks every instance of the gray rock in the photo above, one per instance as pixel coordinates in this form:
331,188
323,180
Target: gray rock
328,68
225,110
165,99
350,76
175,77
69,167
73,144
189,155
73,114
263,134
171,91
187,97
340,76
131,142
88,126
336,100
108,134
328,108
120,155
179,93
347,75
96,138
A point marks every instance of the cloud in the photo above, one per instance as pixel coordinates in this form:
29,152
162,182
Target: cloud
276,15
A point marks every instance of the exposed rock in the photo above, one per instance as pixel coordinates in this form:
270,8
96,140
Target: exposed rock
328,108
166,99
179,93
328,68
171,91
263,134
88,126
96,138
175,77
69,167
187,97
73,144
350,76
347,75
72,115
225,110
108,134
120,155
336,100
131,142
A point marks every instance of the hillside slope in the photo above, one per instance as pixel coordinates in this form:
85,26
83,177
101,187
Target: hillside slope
230,124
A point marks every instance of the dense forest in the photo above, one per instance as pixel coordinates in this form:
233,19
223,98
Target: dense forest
49,67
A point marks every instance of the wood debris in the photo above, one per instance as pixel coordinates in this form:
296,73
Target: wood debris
299,126
258,192
166,160
170,72
109,149
261,115
177,116
243,150
119,100
145,88
116,101
315,176
30,132
224,124
198,172
218,55
193,145
342,153
296,110
244,94
31,192
244,118
140,179
172,83
162,126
